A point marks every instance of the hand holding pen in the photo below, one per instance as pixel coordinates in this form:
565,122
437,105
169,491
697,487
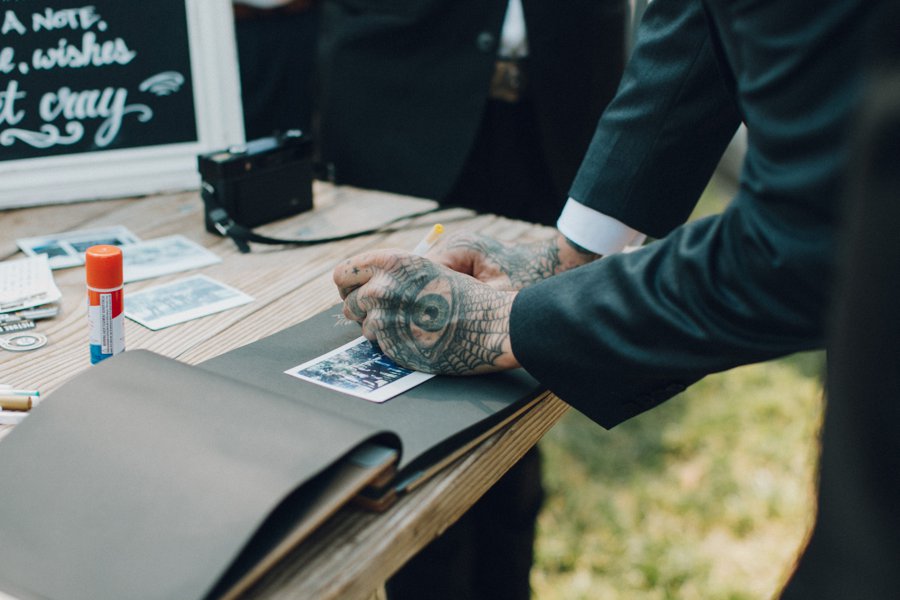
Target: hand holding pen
425,316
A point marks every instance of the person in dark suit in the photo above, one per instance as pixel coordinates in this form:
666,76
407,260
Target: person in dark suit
617,336
457,101
855,546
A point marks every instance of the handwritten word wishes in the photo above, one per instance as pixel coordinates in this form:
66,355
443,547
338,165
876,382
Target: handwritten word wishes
63,111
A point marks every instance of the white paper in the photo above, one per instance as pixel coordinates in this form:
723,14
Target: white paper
162,256
25,283
361,369
182,300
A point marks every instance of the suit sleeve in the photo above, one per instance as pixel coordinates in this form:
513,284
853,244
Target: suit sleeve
662,136
621,335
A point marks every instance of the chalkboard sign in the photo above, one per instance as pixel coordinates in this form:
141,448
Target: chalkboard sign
111,98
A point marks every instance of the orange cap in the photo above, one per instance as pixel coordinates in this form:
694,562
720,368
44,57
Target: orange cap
103,267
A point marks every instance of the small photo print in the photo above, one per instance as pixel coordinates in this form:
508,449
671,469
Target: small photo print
67,249
81,246
162,256
361,369
51,250
182,300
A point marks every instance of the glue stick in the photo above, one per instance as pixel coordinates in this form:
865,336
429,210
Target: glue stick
106,318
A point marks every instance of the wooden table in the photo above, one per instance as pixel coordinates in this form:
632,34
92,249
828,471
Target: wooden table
356,551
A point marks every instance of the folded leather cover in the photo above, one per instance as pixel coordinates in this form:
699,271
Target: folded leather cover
144,477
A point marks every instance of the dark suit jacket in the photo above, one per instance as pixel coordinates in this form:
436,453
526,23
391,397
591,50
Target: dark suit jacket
404,84
855,547
623,334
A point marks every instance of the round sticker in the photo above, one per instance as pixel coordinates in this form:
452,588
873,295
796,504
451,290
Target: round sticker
22,342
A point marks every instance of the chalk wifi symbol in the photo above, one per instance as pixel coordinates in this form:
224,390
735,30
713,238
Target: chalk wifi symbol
163,84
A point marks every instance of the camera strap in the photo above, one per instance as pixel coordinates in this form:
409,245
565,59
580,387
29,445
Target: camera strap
242,236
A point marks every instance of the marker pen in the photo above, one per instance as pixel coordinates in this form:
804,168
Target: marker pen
106,317
429,240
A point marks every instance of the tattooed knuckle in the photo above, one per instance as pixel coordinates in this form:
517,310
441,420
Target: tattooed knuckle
368,332
375,292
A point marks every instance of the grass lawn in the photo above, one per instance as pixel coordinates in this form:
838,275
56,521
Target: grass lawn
708,496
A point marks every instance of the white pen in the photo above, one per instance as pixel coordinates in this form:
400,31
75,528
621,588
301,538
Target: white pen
429,240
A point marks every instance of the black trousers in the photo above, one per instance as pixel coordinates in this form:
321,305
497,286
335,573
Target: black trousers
276,56
487,554
506,171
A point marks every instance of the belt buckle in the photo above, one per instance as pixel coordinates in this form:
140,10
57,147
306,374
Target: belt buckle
508,81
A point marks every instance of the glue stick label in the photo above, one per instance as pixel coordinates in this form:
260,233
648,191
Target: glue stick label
106,321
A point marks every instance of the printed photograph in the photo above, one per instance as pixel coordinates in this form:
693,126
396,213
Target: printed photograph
81,246
182,300
67,249
361,369
51,250
162,256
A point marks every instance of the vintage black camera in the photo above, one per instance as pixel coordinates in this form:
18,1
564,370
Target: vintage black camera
258,182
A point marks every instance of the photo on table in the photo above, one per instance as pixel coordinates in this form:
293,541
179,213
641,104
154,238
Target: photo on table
67,249
361,369
182,300
162,256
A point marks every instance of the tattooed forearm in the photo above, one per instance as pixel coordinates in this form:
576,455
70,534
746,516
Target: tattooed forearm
438,321
525,264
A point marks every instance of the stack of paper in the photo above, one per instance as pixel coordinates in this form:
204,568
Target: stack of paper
26,283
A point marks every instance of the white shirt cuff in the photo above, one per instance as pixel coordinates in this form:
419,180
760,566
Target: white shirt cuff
594,231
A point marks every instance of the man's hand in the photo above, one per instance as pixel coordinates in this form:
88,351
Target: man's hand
508,266
425,316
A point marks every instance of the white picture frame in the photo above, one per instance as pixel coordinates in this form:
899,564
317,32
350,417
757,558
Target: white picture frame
148,170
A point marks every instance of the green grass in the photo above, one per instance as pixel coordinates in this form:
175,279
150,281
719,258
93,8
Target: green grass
709,496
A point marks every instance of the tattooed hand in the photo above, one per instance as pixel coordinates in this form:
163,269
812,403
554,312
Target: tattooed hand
508,266
427,317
